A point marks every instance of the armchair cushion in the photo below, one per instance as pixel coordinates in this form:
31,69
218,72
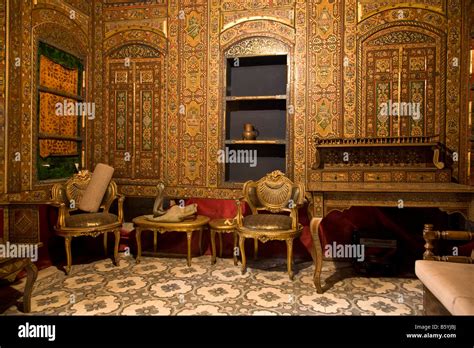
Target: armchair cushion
90,220
96,188
269,222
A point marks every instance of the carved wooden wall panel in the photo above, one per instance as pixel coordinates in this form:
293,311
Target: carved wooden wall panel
301,91
367,8
133,89
400,77
3,56
445,27
23,225
62,25
187,108
324,45
332,43
135,104
193,45
327,38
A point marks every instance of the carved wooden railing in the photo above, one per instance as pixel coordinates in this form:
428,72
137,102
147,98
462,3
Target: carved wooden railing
430,236
420,142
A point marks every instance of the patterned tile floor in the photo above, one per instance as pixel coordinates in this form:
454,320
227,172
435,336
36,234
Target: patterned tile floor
166,286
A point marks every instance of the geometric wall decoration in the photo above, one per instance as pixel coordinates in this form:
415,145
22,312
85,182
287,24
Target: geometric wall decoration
159,116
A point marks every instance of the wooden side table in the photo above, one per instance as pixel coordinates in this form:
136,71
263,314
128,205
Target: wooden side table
10,267
220,226
187,226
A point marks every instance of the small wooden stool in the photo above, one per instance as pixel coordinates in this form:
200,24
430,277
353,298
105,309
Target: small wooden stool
222,226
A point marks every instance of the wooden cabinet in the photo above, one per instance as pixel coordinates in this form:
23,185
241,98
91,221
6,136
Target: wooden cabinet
256,95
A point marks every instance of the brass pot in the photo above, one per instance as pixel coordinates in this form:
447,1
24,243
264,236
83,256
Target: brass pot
249,133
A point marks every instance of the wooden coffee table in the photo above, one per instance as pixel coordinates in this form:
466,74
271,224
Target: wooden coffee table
187,226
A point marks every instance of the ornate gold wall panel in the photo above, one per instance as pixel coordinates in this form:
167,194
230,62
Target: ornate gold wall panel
55,27
349,66
234,12
300,138
434,24
213,94
455,124
84,6
153,16
187,107
367,8
399,65
3,90
325,37
135,105
96,146
19,107
49,21
172,131
73,10
331,40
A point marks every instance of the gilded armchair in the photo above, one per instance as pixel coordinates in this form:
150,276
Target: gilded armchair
73,223
274,202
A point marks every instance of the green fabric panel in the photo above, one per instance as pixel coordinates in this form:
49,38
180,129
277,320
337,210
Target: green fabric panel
58,167
60,57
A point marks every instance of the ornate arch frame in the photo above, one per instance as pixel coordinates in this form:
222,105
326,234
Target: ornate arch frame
257,38
413,26
155,45
54,27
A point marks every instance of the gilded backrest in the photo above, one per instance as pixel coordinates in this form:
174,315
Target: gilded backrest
274,192
71,192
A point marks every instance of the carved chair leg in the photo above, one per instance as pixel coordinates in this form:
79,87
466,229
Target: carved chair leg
242,252
116,247
255,248
235,246
138,233
318,263
105,244
67,244
32,273
213,246
289,257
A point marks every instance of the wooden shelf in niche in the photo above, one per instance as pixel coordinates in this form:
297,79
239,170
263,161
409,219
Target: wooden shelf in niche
257,76
256,94
267,116
268,156
257,142
264,97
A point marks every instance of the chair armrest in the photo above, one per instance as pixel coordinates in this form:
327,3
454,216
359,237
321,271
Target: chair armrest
62,214
294,217
239,216
121,199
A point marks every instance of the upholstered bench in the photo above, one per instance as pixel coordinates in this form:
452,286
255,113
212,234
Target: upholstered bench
448,283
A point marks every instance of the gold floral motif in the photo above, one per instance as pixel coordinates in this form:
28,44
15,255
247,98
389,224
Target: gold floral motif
255,46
